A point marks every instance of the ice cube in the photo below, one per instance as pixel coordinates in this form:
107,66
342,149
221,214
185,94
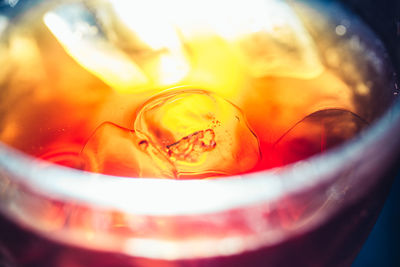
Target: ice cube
316,133
267,35
77,30
146,29
201,133
118,151
270,38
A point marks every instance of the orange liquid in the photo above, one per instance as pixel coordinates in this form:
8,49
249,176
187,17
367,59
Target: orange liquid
57,103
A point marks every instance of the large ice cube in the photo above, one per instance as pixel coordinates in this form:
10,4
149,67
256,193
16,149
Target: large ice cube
147,31
182,134
202,134
118,151
316,133
120,43
270,39
266,34
77,30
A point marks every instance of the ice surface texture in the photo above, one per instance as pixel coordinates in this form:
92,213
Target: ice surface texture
182,134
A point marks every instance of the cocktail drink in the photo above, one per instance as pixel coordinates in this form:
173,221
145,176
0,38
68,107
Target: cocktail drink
191,133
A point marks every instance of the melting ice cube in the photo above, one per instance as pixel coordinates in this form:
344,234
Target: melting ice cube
201,133
121,43
178,134
77,30
267,35
316,133
118,151
146,29
271,40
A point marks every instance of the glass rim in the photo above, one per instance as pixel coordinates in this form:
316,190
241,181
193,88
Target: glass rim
191,196
155,196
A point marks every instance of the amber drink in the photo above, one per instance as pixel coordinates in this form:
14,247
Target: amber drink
191,133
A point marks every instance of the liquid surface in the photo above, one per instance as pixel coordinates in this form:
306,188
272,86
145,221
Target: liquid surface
101,86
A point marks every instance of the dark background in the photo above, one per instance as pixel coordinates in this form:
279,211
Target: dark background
383,17
383,244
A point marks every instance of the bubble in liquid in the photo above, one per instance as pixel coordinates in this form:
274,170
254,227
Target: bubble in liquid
201,133
114,150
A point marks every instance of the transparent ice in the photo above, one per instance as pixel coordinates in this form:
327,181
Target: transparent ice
76,28
201,133
317,133
114,150
178,134
267,34
134,44
127,59
272,41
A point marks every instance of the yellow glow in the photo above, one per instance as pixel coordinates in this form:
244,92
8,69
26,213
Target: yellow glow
227,40
201,133
188,114
187,42
149,24
98,56
171,68
216,68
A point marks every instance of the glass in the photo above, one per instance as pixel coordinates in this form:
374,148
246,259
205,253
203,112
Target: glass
312,212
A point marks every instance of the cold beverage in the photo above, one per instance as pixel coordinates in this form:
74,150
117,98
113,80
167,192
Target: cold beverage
187,91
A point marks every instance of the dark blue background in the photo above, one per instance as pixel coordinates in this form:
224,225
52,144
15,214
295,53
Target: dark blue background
382,248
